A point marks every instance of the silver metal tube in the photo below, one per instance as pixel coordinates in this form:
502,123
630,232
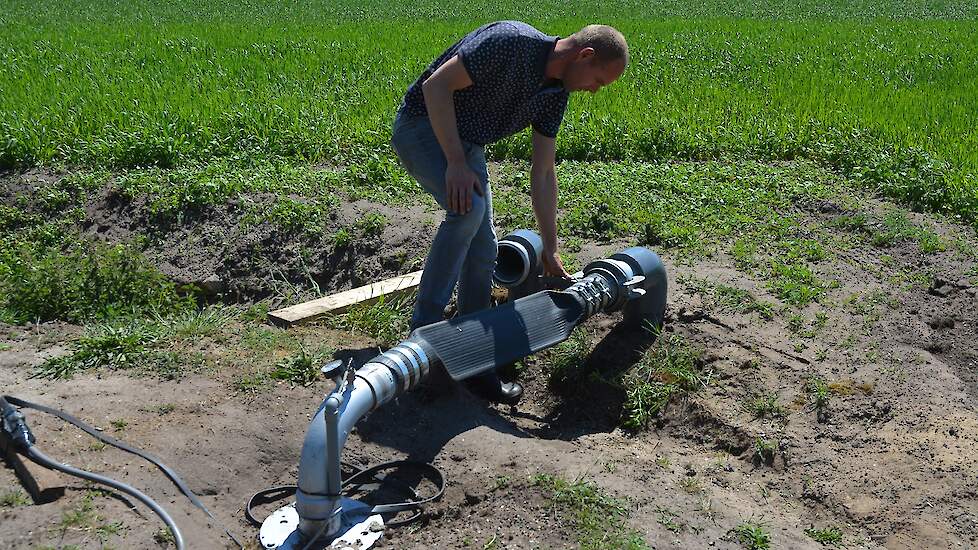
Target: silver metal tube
334,478
317,497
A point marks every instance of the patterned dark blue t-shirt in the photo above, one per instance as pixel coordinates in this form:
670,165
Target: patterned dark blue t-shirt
506,61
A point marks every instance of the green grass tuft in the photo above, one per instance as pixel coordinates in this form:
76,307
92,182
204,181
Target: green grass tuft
14,499
599,519
818,391
138,345
388,319
829,536
669,368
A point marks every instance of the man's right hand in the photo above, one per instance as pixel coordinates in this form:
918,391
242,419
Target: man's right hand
552,265
460,182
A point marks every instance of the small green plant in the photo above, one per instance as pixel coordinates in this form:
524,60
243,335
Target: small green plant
735,299
250,383
854,222
766,406
122,345
667,518
5,347
744,252
119,425
301,368
165,537
897,228
262,339
566,361
829,536
256,313
106,530
300,216
795,322
764,451
82,517
818,391
342,238
795,284
752,536
372,223
500,482
691,485
193,324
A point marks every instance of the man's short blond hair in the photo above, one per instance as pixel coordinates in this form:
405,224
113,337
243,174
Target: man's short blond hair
608,43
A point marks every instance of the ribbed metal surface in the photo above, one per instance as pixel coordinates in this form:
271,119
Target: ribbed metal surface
479,342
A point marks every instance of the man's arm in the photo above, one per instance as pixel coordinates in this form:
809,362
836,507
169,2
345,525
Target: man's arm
438,91
543,191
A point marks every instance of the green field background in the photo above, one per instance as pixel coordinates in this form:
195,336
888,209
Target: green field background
886,92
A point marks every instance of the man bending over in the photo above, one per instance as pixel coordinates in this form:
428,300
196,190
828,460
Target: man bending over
496,81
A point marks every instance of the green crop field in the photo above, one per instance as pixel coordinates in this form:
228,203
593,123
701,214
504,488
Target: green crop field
885,93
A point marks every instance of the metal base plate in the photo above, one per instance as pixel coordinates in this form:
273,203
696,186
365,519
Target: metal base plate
360,530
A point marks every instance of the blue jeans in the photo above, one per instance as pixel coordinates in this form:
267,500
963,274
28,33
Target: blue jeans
464,249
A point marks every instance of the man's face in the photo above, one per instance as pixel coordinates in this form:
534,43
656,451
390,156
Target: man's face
586,73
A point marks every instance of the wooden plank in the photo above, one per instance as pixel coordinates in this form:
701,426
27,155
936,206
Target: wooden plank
42,485
337,303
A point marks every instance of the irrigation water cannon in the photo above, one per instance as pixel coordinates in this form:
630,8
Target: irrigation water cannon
633,280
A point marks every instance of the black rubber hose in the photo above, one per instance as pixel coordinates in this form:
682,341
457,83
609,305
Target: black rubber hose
122,445
42,459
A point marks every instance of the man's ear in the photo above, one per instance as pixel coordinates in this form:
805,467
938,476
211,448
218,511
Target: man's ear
585,53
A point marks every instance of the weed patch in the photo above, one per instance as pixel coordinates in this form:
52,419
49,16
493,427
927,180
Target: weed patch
829,536
897,228
671,367
137,345
14,499
566,361
795,284
818,392
301,368
387,319
764,451
731,298
599,519
78,281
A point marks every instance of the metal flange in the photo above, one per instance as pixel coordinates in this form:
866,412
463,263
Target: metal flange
360,529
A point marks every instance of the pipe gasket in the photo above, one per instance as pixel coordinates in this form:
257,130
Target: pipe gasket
414,370
422,357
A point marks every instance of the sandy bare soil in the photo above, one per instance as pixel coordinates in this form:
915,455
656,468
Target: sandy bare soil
892,460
